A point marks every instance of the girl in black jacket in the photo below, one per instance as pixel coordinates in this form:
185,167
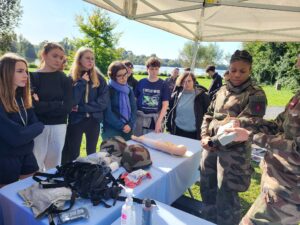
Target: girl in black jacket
19,125
187,108
90,99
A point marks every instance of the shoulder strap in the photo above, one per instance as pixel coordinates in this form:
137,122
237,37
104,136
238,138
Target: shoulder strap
53,209
55,183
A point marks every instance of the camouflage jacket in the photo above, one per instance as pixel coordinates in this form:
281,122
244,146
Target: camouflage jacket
246,102
282,161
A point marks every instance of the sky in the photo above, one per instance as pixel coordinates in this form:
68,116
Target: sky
53,20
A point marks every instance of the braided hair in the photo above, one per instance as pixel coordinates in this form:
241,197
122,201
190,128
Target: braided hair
241,55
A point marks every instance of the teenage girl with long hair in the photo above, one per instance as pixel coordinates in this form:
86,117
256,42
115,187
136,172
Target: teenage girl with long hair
90,99
52,100
19,125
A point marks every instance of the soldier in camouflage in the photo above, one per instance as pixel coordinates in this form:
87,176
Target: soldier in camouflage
226,170
279,200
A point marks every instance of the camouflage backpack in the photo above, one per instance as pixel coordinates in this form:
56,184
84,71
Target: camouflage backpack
136,157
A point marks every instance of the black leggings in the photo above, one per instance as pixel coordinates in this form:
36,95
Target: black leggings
71,150
188,134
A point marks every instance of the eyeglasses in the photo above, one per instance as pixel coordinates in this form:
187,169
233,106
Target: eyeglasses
130,66
122,75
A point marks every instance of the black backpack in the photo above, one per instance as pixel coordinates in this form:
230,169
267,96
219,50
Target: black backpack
86,180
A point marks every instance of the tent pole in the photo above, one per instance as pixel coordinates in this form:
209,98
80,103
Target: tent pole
196,47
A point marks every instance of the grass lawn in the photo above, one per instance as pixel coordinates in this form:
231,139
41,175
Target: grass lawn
275,98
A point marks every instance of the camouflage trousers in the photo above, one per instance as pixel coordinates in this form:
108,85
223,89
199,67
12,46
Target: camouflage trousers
220,181
271,209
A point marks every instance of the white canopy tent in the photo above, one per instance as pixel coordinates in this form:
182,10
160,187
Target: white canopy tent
215,20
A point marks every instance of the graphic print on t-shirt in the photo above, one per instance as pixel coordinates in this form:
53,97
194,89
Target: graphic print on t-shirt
150,99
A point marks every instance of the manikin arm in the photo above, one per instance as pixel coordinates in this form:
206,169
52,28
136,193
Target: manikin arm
168,147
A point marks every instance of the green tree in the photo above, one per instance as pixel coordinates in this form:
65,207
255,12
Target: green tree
68,45
26,49
30,53
98,28
207,54
10,15
275,62
213,55
187,53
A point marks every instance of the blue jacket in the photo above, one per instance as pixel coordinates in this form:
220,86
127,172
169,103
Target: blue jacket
98,100
15,138
112,118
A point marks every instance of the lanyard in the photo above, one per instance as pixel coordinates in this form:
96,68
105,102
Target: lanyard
24,120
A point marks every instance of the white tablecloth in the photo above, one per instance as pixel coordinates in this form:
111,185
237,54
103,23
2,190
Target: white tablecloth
171,176
179,172
163,214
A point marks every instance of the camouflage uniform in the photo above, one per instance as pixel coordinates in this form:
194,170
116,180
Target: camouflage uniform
227,171
279,201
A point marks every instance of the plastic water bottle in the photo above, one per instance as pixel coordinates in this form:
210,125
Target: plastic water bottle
147,212
128,210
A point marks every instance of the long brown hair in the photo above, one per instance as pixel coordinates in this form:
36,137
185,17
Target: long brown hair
46,49
180,80
76,68
7,92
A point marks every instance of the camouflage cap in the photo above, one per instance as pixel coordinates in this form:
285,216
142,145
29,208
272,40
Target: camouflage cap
114,146
136,157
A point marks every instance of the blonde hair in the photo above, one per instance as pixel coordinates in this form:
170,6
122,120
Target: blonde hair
7,92
46,49
76,68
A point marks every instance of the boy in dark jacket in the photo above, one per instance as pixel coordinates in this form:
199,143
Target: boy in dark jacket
217,80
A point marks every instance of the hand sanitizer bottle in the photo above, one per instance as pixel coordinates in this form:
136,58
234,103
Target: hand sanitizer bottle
128,210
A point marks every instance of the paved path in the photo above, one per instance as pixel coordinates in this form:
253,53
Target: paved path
273,111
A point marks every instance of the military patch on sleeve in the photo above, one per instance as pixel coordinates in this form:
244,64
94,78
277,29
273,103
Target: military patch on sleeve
293,103
257,105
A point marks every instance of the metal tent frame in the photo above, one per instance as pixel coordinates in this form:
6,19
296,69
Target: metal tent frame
215,20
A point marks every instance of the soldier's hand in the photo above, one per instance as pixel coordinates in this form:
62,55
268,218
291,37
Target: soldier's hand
235,122
205,144
242,134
